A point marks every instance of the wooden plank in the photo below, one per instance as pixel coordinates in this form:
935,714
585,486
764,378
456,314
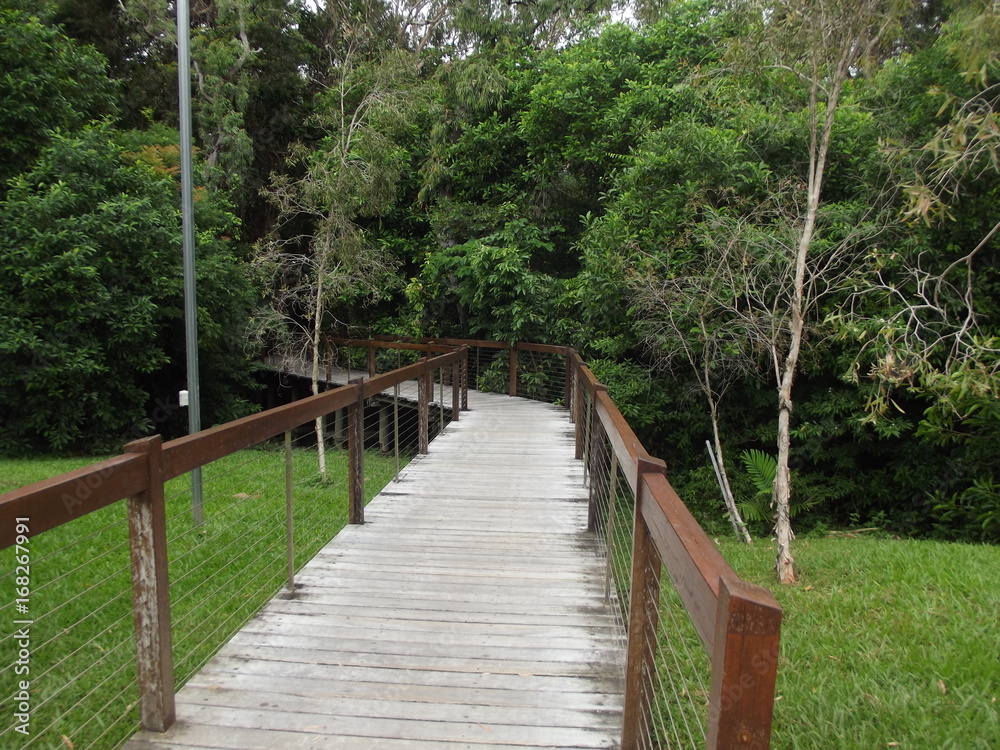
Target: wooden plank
539,689
379,685
376,727
404,705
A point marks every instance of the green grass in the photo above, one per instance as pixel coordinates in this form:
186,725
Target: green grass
885,643
221,572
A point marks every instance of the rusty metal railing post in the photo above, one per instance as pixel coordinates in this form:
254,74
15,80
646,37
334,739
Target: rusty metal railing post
424,386
147,525
744,667
356,456
643,619
513,370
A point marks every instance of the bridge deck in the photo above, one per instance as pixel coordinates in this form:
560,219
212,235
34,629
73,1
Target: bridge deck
468,612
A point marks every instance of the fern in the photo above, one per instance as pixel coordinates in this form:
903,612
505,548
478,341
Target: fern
761,468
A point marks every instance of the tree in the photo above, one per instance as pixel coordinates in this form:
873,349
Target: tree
927,322
820,45
90,297
319,255
48,83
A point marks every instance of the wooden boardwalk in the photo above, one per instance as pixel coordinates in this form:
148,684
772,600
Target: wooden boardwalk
468,612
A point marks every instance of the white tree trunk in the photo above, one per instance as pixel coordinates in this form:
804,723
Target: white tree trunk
785,563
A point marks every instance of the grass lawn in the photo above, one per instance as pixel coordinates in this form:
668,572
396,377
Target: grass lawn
885,643
82,672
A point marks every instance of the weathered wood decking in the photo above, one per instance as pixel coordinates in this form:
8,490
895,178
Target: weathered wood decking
468,612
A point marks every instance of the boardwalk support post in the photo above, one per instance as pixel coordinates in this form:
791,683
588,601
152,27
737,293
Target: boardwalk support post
643,620
356,456
147,525
744,666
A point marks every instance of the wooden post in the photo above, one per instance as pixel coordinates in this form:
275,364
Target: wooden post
356,457
456,390
598,467
289,527
643,620
147,525
424,386
371,360
744,667
513,370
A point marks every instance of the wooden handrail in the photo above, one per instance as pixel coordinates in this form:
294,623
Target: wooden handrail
53,502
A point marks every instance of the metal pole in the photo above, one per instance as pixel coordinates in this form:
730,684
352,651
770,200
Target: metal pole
187,229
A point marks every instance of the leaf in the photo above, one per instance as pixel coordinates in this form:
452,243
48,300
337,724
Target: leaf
762,469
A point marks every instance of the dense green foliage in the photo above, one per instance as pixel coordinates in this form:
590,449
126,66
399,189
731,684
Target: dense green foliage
524,172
